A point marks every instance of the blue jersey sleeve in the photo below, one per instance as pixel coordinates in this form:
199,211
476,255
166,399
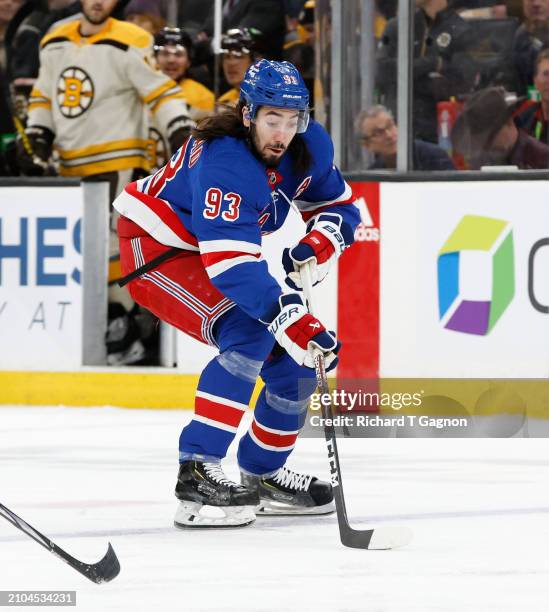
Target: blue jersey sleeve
227,201
325,188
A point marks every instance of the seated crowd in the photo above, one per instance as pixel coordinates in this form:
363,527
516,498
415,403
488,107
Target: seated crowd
480,86
461,48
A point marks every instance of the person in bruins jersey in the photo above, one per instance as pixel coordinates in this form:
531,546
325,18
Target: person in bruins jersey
96,86
97,76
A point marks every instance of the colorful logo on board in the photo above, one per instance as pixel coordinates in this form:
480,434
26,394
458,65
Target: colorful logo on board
464,313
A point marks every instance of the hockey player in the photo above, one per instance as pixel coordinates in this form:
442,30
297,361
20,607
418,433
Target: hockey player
96,75
173,48
238,54
190,238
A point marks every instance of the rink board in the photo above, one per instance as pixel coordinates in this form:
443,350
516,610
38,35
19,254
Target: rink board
384,299
41,277
465,280
448,279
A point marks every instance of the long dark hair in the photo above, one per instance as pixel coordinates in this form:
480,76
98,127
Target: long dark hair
228,122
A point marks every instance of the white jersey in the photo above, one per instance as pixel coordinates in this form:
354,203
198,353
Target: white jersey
91,92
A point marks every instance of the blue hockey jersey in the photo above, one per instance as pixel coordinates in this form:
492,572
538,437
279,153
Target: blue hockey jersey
217,198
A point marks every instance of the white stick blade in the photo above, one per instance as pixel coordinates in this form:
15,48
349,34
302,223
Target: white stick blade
388,537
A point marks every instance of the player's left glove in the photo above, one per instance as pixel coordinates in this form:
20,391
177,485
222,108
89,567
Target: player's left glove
298,332
327,237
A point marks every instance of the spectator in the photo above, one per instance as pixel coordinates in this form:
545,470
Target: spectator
533,116
8,8
383,11
486,135
147,14
265,16
237,48
530,38
377,131
151,23
442,67
483,9
96,78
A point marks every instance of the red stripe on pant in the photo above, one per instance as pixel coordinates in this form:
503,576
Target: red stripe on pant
218,412
273,439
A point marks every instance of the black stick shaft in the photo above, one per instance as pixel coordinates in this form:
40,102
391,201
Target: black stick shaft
349,536
102,571
18,522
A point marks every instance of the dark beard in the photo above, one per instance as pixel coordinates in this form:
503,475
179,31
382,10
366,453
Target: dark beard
269,161
97,21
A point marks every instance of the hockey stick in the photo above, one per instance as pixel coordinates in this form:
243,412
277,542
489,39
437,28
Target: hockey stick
379,538
103,571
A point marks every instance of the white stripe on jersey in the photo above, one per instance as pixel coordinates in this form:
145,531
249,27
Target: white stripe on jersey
218,246
130,207
226,264
306,206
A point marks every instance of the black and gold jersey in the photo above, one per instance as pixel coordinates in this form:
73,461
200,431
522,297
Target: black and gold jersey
92,93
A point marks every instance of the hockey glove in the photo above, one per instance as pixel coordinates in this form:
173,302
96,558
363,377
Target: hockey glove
328,236
33,151
178,131
298,332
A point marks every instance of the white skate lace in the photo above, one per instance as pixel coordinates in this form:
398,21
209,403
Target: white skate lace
215,472
292,480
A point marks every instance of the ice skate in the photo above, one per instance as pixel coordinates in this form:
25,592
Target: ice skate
290,493
209,499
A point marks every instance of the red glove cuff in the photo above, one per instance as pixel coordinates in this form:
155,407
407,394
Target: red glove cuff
321,245
302,331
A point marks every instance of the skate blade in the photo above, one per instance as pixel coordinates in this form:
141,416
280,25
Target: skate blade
274,508
193,515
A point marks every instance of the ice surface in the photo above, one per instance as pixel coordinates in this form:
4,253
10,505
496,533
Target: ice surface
85,476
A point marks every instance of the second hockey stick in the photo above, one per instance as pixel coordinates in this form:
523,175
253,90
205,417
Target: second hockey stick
102,571
378,538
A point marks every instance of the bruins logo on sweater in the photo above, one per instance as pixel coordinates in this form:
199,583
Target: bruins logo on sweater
74,92
94,94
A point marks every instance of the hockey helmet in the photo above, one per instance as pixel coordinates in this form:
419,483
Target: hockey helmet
269,83
239,41
175,37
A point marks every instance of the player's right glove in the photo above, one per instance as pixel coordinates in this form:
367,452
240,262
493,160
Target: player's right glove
297,331
33,151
